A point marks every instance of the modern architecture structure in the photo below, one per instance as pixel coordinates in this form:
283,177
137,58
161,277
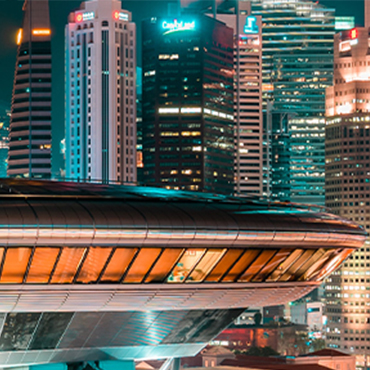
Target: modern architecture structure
115,273
30,125
348,189
188,122
101,93
4,140
297,53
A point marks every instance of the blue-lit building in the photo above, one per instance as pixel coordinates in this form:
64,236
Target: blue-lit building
297,53
187,103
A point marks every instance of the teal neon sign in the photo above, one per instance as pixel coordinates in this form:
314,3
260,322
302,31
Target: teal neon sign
251,25
177,26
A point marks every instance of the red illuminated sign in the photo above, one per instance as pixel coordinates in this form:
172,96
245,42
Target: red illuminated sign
353,34
116,15
79,17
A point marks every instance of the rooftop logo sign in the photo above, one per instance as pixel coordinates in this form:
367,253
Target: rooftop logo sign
88,16
177,26
251,25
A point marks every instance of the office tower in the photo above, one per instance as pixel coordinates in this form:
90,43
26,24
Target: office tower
248,131
30,125
100,93
187,103
348,190
297,53
4,140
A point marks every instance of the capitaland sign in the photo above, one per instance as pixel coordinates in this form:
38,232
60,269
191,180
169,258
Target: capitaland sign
251,25
177,26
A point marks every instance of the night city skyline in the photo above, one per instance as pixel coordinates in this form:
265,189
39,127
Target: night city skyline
187,182
11,20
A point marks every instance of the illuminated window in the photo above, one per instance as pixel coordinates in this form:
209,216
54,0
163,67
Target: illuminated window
118,264
141,265
42,265
93,264
164,265
257,265
67,266
15,265
224,264
185,265
241,265
207,263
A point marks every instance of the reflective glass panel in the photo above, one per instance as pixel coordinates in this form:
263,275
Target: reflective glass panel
206,264
333,263
141,265
315,269
67,265
118,264
223,266
42,264
164,265
93,264
16,262
290,274
294,255
182,269
257,265
244,261
271,266
309,262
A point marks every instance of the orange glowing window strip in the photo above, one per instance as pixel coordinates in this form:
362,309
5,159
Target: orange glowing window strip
19,36
41,32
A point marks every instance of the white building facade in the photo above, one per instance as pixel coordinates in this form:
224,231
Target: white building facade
100,93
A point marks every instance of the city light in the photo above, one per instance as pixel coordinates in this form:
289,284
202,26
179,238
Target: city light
354,34
88,16
19,36
41,32
120,16
177,26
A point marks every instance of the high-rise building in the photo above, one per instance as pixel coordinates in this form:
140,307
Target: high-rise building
248,129
187,103
101,93
297,54
30,125
4,140
348,190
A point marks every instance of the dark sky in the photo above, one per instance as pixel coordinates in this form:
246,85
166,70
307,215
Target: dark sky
11,21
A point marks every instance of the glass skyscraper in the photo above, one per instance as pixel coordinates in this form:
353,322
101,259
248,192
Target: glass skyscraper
297,41
188,121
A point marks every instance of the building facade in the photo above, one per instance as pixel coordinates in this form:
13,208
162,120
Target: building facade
248,131
101,93
187,103
297,54
30,125
348,190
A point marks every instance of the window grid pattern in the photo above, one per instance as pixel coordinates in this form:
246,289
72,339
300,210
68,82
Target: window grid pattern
118,265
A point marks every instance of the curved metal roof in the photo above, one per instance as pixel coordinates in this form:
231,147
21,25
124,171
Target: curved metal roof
50,213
